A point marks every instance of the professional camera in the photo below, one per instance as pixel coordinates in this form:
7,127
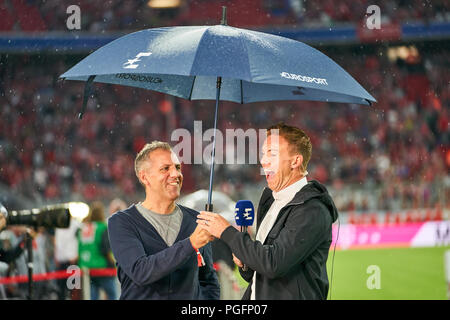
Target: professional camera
52,216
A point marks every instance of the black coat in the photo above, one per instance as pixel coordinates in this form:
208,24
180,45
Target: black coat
291,264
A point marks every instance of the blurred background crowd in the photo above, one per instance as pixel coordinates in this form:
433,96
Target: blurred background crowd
394,155
120,15
397,150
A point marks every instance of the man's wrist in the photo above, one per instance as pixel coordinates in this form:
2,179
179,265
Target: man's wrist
200,260
228,233
192,244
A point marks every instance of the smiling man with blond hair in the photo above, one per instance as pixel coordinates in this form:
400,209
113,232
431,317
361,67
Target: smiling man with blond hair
160,251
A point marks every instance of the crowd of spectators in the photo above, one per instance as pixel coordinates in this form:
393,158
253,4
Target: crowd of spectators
390,156
119,15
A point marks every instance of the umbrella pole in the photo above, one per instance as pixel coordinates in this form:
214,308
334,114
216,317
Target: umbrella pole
209,205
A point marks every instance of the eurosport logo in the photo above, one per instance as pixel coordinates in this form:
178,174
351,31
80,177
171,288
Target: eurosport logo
298,77
138,77
131,63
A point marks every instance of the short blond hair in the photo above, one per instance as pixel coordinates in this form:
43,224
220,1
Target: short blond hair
144,155
299,142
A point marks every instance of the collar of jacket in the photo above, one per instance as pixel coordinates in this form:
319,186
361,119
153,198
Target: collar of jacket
313,189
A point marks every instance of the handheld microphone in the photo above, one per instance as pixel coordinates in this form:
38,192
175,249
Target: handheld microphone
244,215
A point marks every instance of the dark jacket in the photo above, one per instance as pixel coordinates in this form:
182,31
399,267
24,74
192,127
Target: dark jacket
148,269
10,255
291,264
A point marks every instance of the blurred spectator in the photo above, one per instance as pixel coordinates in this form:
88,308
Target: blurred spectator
116,204
95,252
8,255
17,257
66,255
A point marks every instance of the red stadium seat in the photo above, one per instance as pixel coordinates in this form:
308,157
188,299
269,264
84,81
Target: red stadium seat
6,18
28,16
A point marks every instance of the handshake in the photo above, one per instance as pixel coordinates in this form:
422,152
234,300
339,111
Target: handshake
210,225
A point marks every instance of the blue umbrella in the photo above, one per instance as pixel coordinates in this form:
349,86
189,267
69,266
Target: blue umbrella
219,62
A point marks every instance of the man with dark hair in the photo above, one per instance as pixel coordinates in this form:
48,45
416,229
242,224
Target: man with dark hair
10,255
160,251
293,231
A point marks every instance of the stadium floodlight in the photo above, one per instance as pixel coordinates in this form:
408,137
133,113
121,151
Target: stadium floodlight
78,210
164,4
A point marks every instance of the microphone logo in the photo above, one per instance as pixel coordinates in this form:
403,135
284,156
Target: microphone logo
244,213
244,216
247,214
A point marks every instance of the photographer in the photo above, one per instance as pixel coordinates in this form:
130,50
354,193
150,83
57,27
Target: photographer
10,255
28,246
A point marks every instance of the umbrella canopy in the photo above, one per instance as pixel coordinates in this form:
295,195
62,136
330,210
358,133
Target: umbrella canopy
254,66
219,62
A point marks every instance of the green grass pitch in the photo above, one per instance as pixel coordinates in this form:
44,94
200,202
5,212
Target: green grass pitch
404,274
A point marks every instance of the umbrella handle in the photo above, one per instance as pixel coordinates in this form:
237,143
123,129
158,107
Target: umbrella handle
87,93
209,206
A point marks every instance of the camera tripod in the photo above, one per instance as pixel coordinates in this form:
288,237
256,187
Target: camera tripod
29,246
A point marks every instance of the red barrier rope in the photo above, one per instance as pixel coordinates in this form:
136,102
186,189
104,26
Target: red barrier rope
61,274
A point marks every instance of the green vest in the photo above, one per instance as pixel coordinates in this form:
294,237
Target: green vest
89,245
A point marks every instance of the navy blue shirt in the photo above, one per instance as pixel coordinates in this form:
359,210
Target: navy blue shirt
148,269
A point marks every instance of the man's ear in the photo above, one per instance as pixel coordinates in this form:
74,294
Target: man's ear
297,161
143,178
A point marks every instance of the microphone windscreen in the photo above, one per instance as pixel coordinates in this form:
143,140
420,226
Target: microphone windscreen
244,213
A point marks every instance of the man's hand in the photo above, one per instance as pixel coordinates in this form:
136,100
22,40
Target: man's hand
2,222
32,232
238,262
200,237
212,222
